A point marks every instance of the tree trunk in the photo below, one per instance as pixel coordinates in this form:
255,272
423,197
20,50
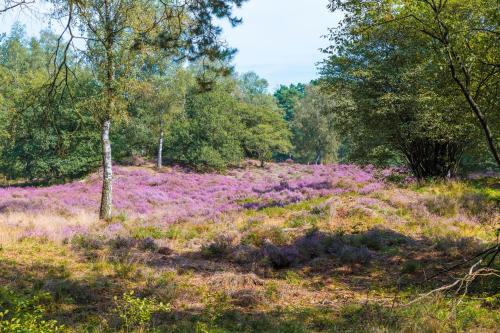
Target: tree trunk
107,179
464,86
159,163
482,119
318,159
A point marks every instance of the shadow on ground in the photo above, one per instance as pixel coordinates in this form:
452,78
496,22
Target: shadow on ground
374,258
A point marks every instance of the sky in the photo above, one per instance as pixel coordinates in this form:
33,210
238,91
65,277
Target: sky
280,40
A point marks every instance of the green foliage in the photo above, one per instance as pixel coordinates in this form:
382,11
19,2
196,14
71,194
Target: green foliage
216,304
149,232
314,135
58,140
157,98
135,312
207,135
288,97
25,314
406,105
265,132
442,205
236,119
251,85
41,140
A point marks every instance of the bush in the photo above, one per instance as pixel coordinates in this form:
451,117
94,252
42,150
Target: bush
87,242
355,255
378,239
274,234
218,248
25,315
148,244
349,254
281,257
135,312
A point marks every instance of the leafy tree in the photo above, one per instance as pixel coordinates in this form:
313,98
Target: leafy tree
39,142
169,102
462,37
206,136
288,97
314,134
401,105
252,85
157,96
116,31
265,132
235,120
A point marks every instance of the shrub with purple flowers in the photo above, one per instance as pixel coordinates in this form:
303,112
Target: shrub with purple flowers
177,194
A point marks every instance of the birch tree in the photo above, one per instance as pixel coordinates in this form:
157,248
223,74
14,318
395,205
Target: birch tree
116,32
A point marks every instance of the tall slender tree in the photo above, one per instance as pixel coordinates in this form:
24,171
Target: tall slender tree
116,31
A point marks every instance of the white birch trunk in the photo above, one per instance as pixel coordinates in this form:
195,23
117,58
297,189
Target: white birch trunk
107,181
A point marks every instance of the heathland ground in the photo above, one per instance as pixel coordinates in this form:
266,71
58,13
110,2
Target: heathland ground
285,248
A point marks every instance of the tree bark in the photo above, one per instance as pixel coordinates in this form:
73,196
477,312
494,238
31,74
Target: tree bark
107,179
159,163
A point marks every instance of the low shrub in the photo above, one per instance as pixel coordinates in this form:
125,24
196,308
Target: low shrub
148,244
219,248
293,278
410,267
25,314
281,257
135,312
378,239
121,243
349,254
87,242
355,255
246,298
276,235
272,291
303,221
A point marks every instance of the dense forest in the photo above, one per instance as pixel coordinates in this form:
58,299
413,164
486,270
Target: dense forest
406,100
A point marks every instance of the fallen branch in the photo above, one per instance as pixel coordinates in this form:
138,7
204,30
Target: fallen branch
462,285
484,254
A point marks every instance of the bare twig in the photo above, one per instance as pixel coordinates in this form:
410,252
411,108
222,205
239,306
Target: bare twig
11,4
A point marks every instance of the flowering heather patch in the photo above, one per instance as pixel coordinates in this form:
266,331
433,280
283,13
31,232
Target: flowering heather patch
177,194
